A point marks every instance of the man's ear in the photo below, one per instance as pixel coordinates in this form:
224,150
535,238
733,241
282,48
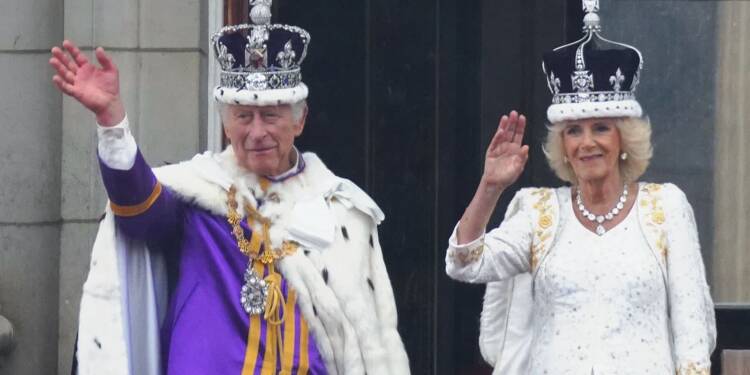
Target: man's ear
301,122
224,128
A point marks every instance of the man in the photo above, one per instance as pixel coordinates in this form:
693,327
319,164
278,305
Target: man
257,260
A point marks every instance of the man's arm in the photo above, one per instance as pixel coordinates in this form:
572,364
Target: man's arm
143,209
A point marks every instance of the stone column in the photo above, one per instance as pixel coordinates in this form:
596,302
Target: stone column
157,47
731,263
29,182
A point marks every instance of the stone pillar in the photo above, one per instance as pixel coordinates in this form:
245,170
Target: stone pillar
731,261
157,47
30,189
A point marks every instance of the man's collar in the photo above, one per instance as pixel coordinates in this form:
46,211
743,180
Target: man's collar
297,167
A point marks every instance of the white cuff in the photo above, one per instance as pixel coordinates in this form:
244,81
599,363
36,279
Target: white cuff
453,240
467,253
117,148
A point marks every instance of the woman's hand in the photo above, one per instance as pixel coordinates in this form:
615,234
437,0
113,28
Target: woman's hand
98,89
503,164
506,157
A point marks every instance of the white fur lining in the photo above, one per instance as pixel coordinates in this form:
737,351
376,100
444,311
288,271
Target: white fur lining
230,95
576,111
350,311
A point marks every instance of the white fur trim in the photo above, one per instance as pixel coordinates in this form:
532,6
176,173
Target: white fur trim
576,111
102,331
351,311
230,95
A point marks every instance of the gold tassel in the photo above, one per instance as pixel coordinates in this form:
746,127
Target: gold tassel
275,303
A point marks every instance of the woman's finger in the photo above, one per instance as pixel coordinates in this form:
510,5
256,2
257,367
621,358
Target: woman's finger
500,134
512,124
520,129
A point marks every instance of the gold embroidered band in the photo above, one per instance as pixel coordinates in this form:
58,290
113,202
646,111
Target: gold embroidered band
137,209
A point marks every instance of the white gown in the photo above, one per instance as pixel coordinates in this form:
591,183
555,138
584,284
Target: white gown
634,301
600,305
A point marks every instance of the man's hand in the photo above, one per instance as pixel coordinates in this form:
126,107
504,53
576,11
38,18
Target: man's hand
98,89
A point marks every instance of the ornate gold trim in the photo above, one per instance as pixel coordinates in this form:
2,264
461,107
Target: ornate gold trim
469,256
542,231
259,239
655,214
692,368
137,209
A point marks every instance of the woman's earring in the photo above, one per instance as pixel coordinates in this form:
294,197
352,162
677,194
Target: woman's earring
565,159
624,156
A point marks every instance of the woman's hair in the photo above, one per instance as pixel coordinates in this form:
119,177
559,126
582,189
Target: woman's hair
635,140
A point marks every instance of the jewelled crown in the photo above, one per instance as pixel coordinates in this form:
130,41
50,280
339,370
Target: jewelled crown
593,76
260,62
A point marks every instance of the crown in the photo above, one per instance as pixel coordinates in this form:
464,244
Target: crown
260,62
593,76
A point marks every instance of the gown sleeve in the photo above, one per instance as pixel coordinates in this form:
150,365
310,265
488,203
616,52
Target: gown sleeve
500,254
691,308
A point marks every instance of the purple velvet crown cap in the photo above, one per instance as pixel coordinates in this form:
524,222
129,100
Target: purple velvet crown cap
260,62
593,76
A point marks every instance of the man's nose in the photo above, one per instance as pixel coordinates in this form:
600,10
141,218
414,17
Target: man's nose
257,129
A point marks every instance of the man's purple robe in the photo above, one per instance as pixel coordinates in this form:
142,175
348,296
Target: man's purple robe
205,330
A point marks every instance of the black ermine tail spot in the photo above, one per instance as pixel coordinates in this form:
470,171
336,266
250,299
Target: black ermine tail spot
345,233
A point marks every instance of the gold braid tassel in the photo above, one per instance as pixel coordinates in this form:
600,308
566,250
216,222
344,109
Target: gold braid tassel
275,303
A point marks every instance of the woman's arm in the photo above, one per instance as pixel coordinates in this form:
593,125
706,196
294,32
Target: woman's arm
503,163
468,248
502,253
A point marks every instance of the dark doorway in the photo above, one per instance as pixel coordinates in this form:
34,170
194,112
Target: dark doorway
403,99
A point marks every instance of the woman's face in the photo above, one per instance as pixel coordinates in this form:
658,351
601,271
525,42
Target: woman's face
592,147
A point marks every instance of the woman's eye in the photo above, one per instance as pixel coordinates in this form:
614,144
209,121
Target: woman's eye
573,130
602,128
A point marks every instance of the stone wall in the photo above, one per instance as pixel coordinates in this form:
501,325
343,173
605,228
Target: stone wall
30,149
51,196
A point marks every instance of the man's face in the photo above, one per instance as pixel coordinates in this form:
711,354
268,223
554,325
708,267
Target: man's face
263,136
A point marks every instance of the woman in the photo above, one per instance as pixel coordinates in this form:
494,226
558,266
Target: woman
617,280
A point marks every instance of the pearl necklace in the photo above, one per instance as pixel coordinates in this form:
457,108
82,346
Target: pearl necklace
600,218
